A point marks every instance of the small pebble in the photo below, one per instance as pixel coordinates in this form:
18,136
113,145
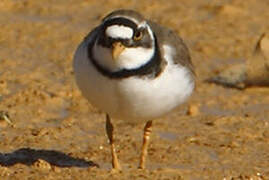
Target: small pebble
42,164
193,110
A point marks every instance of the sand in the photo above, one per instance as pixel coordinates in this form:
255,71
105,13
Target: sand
220,133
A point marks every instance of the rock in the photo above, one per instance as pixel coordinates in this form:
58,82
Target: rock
255,72
233,76
257,67
193,110
42,164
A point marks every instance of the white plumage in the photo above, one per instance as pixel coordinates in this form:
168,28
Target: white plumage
134,70
117,31
134,98
130,58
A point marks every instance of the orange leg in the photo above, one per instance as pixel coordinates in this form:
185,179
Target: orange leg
109,131
143,156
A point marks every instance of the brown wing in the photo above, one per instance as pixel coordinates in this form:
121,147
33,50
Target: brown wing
167,36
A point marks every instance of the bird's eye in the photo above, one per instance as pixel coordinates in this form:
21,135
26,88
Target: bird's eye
138,35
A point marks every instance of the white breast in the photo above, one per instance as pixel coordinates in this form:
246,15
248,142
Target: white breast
133,98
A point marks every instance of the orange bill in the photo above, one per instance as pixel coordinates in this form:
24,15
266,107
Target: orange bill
117,49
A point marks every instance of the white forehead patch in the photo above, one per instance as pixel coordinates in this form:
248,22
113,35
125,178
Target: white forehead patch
117,31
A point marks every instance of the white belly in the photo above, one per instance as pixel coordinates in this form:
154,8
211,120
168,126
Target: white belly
133,98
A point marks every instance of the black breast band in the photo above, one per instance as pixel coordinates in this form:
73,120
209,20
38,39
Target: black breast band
152,68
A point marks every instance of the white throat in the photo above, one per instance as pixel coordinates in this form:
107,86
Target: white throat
130,58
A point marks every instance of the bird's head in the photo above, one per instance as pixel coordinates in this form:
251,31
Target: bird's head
125,41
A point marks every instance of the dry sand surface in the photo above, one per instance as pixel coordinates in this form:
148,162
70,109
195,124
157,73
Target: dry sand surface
220,133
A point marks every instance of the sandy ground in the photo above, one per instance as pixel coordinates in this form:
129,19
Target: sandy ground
56,134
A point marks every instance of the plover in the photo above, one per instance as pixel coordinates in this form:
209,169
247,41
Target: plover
135,70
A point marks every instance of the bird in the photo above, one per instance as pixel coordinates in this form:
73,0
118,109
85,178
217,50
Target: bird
134,70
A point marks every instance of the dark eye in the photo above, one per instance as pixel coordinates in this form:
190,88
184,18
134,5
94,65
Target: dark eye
138,35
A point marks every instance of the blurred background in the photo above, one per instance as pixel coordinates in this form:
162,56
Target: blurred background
220,132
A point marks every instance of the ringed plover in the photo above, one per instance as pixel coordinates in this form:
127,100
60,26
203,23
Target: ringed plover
135,70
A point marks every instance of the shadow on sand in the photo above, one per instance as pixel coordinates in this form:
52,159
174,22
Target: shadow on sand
28,156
